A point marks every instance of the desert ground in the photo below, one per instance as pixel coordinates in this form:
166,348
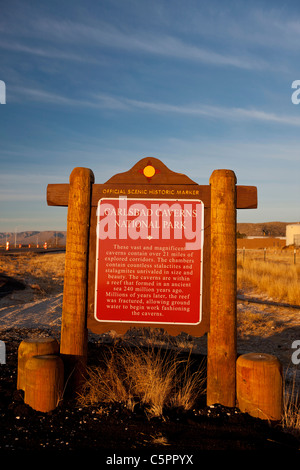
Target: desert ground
31,293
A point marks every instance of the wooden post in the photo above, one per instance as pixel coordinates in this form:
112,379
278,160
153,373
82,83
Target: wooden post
221,345
33,347
44,382
259,385
74,331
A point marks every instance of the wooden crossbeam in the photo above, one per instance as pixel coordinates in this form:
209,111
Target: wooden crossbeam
58,194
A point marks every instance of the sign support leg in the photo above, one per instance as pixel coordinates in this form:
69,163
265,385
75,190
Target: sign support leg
73,347
221,345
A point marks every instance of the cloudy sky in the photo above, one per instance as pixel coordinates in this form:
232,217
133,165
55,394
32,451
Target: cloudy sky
201,85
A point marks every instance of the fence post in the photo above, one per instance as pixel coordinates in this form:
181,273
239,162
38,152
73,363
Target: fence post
221,345
73,346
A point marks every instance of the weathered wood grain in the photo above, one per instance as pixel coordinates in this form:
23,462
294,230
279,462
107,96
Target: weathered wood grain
73,330
260,386
221,344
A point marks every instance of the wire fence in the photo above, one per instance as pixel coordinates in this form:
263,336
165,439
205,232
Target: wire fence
289,256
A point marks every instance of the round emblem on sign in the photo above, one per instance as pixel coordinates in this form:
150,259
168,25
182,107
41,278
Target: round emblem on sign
149,171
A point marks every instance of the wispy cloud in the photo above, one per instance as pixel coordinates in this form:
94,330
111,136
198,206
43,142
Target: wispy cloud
105,36
217,112
240,37
107,102
46,52
164,45
20,194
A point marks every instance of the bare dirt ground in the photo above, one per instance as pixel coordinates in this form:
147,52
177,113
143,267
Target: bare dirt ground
29,310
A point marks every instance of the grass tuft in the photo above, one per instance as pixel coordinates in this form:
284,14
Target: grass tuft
153,380
291,408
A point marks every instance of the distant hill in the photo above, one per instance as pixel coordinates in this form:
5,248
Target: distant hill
34,237
271,229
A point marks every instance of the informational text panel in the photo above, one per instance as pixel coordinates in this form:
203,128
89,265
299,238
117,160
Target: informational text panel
149,261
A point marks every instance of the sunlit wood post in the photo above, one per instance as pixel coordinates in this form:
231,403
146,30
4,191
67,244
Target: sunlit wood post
30,347
44,382
221,346
73,346
259,386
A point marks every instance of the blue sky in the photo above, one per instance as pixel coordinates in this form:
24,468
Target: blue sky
201,85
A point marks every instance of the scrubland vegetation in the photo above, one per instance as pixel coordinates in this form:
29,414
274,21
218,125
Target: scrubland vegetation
271,273
44,273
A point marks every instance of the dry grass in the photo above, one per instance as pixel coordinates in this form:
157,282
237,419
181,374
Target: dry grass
44,273
291,408
276,276
257,324
152,379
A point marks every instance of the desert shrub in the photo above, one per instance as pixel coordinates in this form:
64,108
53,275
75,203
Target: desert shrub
153,379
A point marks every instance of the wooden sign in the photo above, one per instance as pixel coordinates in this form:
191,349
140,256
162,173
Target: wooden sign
212,275
149,261
147,179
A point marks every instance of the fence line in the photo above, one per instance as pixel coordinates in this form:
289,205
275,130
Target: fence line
268,254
